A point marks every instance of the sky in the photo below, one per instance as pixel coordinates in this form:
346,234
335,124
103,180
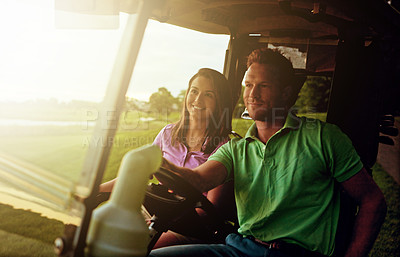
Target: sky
37,60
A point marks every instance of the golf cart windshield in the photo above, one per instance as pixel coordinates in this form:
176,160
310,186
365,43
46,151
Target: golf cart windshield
69,102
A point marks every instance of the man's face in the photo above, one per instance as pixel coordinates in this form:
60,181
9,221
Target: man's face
262,95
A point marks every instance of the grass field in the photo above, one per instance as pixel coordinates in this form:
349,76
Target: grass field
388,241
24,233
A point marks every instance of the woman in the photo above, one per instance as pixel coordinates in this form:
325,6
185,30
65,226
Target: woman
204,125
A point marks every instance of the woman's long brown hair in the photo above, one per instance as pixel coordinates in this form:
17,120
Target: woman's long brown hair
220,123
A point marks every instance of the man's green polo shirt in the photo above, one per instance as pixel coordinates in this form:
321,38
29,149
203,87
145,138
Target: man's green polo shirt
285,189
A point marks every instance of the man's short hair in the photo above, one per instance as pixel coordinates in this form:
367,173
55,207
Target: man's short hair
274,58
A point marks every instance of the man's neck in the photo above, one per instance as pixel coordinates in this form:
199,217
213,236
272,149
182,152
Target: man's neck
265,130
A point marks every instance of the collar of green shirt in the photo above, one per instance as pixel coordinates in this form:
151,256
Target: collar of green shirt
292,122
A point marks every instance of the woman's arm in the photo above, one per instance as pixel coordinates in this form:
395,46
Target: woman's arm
107,186
222,197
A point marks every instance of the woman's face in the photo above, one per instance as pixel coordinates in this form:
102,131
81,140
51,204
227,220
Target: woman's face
201,99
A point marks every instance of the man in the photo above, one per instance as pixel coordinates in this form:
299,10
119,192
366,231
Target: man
286,171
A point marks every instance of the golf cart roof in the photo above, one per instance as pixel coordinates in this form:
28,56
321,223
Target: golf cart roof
301,18
296,23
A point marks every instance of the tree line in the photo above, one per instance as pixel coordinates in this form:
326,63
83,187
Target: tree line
313,97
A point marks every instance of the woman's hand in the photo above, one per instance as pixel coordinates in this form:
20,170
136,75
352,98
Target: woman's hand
168,165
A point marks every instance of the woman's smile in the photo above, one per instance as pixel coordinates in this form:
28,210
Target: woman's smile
201,98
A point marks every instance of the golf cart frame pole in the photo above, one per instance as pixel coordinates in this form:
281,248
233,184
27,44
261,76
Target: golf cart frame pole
233,70
111,109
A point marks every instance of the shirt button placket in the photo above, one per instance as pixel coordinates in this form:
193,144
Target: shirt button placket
268,159
184,159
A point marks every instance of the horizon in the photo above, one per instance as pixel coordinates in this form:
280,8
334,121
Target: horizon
42,62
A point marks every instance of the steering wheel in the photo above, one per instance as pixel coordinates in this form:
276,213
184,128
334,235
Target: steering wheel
180,187
174,202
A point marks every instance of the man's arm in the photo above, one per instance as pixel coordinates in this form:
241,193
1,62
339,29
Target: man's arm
371,214
204,177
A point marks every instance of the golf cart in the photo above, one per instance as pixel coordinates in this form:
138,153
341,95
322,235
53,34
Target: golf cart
355,43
